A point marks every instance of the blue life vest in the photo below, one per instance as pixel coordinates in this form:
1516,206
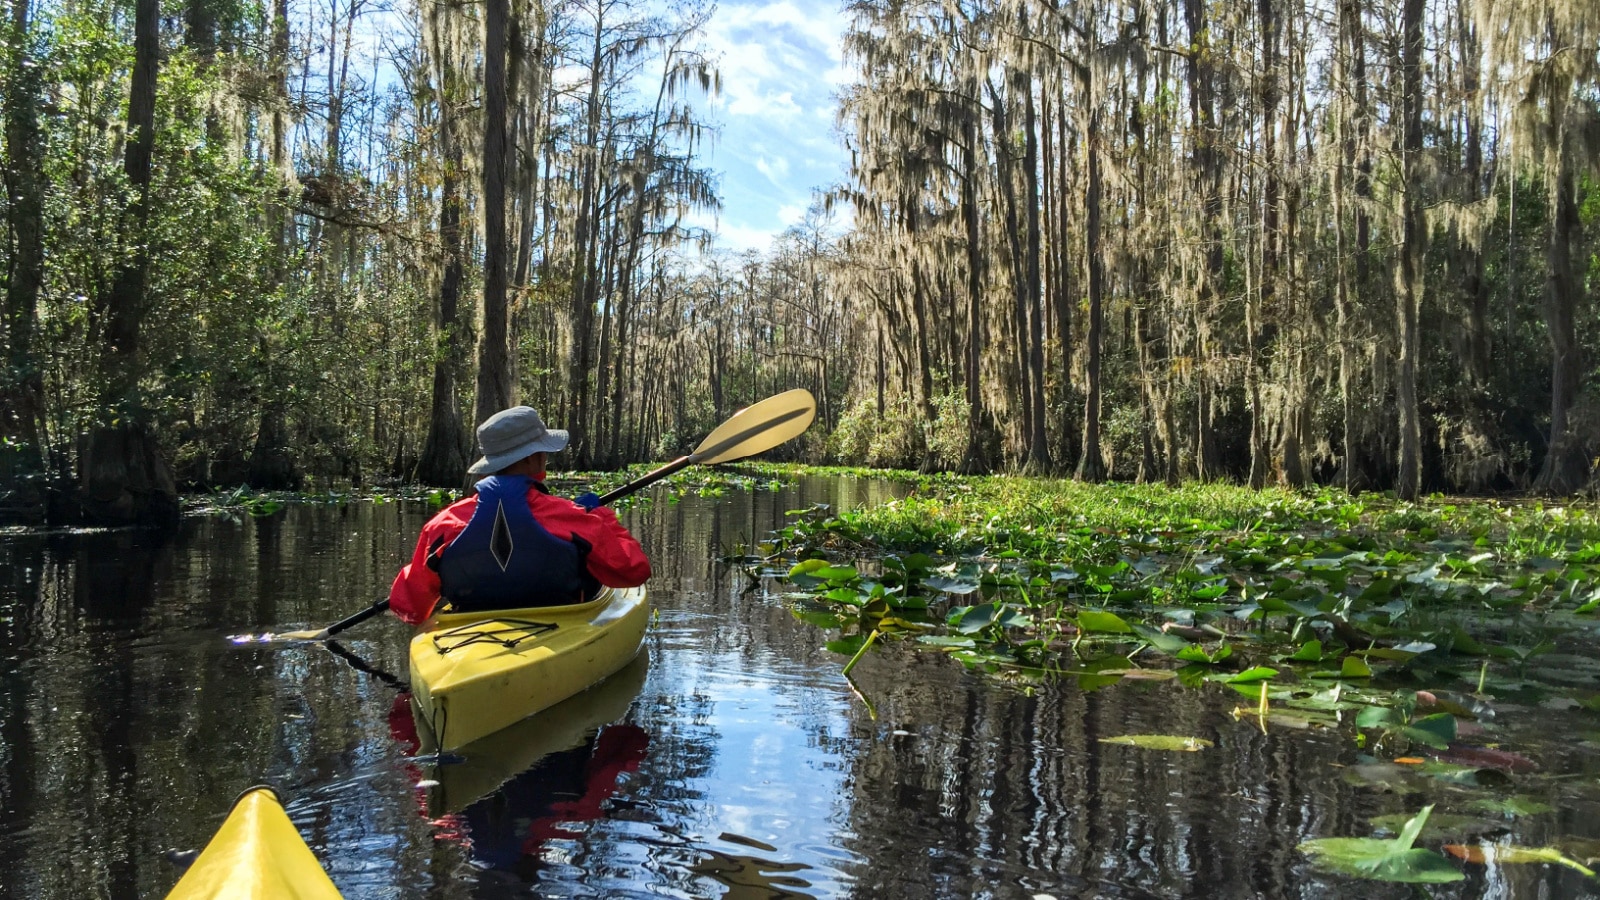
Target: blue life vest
504,559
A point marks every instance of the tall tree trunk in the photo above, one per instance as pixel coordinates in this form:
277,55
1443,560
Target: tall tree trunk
122,475
924,335
1039,441
1352,69
976,458
1091,464
1474,285
1007,187
22,405
1298,320
444,453
494,347
1259,338
272,463
586,230
1208,184
1408,293
1566,465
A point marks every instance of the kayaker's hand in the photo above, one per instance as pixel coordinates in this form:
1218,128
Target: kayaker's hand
588,500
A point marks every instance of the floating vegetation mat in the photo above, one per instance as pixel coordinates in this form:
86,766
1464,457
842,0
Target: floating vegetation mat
1453,643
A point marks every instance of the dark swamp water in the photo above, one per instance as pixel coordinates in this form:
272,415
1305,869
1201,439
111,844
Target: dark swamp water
733,762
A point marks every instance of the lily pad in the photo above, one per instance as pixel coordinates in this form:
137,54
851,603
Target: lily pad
1141,674
1310,651
1256,673
1169,644
950,585
1396,860
1172,742
1441,825
1513,807
1101,621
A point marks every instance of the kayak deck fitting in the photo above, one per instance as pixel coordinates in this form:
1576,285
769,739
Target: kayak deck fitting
474,673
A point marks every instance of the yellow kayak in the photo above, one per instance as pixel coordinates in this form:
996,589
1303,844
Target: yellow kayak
492,761
257,853
475,673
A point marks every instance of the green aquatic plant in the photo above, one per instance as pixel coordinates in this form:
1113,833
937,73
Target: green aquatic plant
1394,859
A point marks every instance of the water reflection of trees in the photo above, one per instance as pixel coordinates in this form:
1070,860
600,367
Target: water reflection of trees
127,725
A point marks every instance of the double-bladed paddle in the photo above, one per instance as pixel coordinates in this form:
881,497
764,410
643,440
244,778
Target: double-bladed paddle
747,432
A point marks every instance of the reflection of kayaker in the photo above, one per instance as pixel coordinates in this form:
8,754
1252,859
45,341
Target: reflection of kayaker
511,826
480,767
507,828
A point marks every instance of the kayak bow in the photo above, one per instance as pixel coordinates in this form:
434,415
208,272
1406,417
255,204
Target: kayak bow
256,855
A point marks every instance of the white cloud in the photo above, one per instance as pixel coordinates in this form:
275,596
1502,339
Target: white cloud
775,169
792,213
781,67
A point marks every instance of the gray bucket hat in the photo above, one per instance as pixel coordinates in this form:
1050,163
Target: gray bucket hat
513,434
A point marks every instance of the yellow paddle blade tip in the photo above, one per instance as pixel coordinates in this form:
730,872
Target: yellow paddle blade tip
270,638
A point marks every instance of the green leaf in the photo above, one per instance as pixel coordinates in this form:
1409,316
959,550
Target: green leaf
1141,674
1169,644
846,596
972,619
1440,825
958,586
1384,860
1310,651
1514,807
1197,653
1011,617
836,573
1354,667
1256,673
1437,730
1101,621
1377,717
807,567
849,646
1330,699
820,618
1172,742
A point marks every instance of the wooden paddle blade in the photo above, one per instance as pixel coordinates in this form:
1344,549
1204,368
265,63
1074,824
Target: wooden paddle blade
759,427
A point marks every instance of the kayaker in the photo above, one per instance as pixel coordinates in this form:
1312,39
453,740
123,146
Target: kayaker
513,544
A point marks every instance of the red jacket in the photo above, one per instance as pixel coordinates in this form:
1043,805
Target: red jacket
615,558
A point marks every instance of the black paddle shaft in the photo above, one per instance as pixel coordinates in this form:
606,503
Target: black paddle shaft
358,618
612,496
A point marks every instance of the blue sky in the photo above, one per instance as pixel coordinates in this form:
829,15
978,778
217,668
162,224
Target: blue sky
781,69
